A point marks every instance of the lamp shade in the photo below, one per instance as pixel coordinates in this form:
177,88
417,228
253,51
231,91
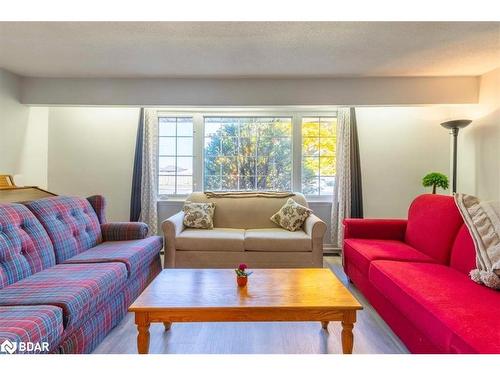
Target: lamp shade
455,124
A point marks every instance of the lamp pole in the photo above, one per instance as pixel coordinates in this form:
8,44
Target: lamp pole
454,126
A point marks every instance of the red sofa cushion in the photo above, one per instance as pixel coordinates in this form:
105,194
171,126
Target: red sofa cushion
463,253
433,223
360,252
380,229
456,314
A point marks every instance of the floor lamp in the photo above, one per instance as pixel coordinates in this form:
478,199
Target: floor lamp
454,126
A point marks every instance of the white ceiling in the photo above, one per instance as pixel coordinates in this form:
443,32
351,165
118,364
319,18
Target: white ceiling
249,49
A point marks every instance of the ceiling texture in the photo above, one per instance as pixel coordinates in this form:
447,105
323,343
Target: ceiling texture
249,49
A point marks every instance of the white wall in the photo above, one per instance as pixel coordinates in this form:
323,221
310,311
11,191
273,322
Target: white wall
245,92
398,146
479,143
23,135
91,151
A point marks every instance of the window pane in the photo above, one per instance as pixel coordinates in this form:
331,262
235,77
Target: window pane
318,155
310,127
175,160
212,183
229,146
212,146
310,146
310,185
167,165
184,184
185,146
185,127
327,146
327,166
326,185
184,165
247,146
230,182
328,126
238,141
213,166
167,146
229,165
167,126
247,182
166,184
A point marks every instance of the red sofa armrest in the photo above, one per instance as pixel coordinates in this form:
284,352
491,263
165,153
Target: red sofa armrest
380,229
124,231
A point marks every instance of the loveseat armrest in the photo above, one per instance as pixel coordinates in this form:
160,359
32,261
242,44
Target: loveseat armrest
316,228
124,231
171,227
380,229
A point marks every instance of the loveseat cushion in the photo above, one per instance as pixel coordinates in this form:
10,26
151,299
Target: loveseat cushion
277,239
35,324
360,252
433,223
217,239
71,223
77,288
457,315
25,246
135,254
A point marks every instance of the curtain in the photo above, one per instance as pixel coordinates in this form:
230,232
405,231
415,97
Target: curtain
135,197
347,196
149,174
356,186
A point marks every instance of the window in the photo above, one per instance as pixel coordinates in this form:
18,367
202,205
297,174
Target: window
175,160
224,149
318,155
248,153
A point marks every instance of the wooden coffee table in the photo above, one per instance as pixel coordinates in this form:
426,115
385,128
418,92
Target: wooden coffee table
211,295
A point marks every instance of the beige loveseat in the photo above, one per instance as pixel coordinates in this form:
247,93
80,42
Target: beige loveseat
243,233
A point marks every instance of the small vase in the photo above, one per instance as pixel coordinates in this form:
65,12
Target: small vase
241,280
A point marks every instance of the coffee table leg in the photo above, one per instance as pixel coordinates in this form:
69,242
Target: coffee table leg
324,325
347,335
167,325
141,319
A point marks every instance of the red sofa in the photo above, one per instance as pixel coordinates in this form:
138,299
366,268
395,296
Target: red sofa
415,274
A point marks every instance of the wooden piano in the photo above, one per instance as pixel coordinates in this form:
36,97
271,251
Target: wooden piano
10,193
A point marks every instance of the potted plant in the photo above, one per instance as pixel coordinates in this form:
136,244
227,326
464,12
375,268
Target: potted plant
242,275
435,180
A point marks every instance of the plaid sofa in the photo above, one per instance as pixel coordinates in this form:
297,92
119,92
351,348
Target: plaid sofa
67,276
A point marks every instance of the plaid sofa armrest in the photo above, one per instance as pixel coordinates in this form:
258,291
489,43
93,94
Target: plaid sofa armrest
124,231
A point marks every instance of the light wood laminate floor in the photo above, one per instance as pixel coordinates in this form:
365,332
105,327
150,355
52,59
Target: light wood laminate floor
371,334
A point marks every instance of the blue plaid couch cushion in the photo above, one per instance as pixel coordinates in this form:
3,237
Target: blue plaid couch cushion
135,254
71,223
35,324
79,289
25,246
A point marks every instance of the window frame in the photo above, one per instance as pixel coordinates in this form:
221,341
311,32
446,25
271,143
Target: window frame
198,115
